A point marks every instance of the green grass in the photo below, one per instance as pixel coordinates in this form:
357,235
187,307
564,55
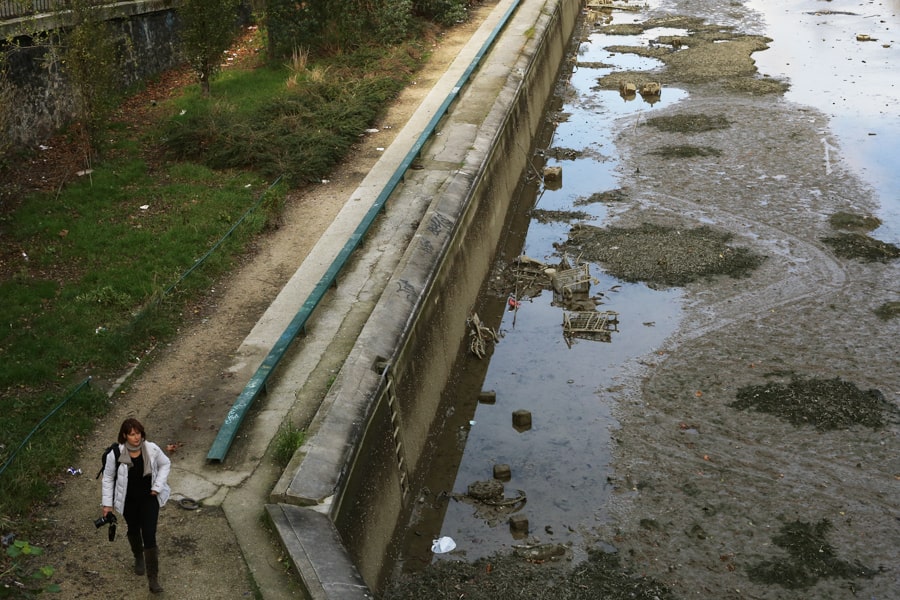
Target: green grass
92,275
287,440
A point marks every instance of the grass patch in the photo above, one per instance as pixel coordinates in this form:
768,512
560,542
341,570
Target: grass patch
299,130
96,272
287,441
96,259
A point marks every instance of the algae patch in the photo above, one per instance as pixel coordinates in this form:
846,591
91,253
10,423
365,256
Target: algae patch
859,246
888,311
826,404
549,216
853,222
661,255
809,558
511,577
708,54
609,196
688,123
685,151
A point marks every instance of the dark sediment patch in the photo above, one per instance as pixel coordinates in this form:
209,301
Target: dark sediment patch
661,255
685,151
616,195
511,577
862,247
549,216
826,404
853,222
888,310
809,558
688,123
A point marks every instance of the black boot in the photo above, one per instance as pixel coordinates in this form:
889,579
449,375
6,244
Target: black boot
152,557
137,548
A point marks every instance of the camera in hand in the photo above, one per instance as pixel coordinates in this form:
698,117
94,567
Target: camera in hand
111,519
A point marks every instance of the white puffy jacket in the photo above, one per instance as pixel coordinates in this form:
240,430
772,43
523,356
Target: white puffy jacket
159,475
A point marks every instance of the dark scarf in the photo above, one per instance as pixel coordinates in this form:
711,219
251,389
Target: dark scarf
125,457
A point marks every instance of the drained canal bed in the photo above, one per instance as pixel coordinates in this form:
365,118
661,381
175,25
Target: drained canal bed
734,434
560,462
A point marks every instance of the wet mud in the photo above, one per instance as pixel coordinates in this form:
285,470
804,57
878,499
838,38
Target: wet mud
755,451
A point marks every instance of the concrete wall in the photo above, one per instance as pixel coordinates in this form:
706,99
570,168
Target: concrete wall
460,232
40,101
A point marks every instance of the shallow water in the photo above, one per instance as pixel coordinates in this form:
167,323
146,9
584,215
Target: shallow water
857,84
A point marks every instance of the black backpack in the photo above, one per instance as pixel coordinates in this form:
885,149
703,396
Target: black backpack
114,448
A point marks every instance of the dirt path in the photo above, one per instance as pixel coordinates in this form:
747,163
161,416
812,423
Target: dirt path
175,394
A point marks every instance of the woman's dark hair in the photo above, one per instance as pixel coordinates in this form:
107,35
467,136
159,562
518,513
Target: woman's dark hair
129,425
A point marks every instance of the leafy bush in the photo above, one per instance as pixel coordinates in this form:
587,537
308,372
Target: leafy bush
444,12
299,131
339,25
16,572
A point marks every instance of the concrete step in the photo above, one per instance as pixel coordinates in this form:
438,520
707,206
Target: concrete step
316,551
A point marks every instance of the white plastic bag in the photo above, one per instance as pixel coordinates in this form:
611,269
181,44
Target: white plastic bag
443,545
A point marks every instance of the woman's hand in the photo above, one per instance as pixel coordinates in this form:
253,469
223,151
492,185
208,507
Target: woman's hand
106,510
154,493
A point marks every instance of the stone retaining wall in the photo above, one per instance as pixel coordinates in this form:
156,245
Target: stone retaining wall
39,101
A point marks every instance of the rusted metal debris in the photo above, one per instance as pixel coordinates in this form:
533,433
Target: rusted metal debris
590,325
568,282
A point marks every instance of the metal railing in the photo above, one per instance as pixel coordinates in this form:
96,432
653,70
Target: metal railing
14,9
258,382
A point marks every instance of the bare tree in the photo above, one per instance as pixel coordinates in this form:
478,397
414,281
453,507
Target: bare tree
207,29
88,53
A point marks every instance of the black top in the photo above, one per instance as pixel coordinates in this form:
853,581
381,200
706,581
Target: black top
138,485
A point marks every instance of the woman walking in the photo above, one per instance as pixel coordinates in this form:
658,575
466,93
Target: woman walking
136,486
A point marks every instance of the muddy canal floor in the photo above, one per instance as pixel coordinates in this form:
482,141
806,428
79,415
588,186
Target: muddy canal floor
756,450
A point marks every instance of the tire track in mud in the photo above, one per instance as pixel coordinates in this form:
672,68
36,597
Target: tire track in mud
821,274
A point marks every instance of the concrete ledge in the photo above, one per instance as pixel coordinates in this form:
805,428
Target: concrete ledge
324,454
316,551
470,172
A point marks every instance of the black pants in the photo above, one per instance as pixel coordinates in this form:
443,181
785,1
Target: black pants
141,514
